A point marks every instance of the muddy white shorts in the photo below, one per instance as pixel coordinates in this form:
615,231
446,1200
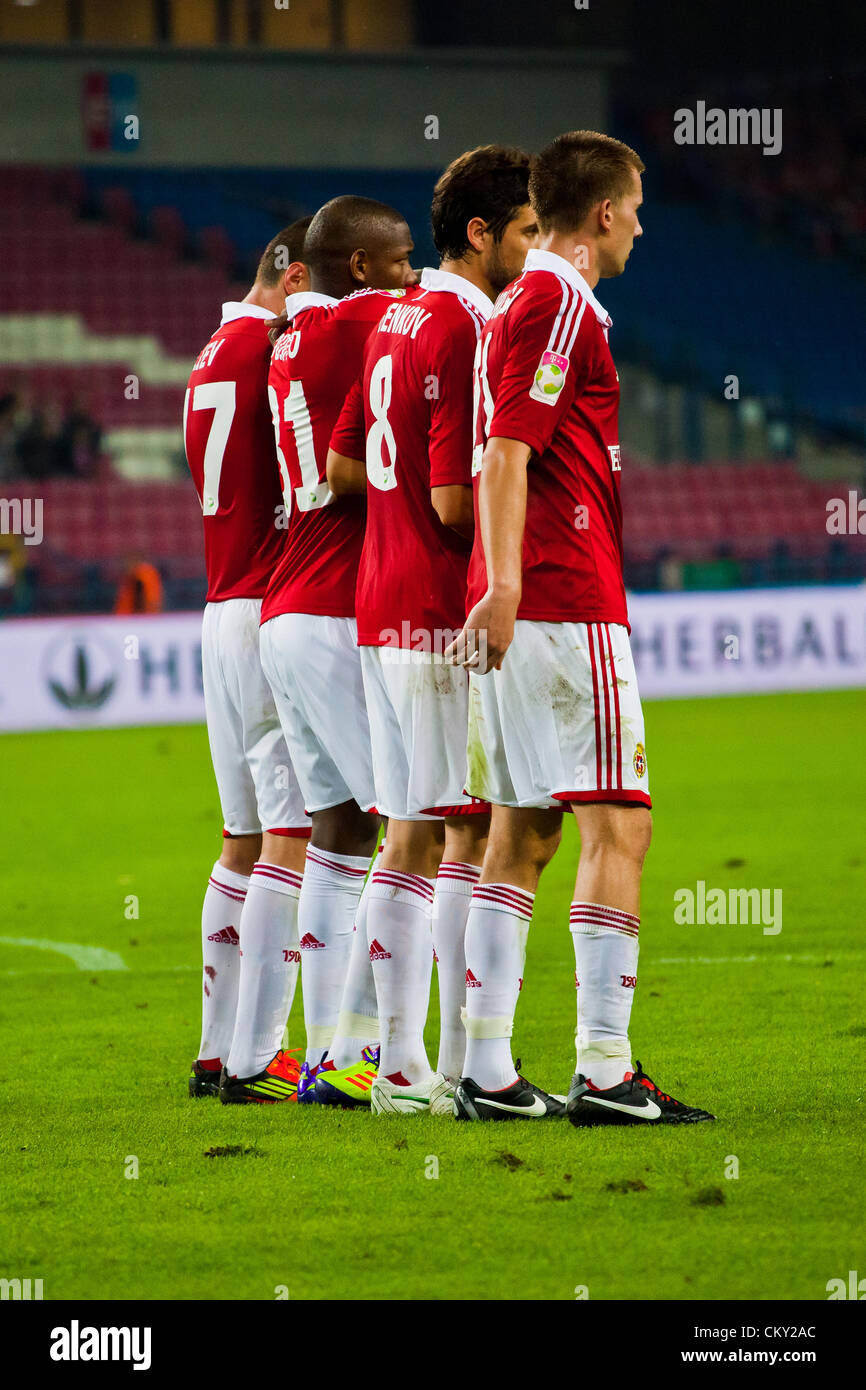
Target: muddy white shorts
314,668
562,720
257,786
418,710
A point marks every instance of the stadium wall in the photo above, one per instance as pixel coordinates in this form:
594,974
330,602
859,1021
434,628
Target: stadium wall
311,110
71,673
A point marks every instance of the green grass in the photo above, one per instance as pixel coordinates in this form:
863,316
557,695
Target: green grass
759,792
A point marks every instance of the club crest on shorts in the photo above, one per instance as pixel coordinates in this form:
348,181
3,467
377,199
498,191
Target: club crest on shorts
638,762
549,378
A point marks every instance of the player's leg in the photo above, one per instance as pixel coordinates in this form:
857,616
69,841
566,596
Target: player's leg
401,951
509,755
229,878
257,1070
522,843
220,922
357,1022
269,965
342,843
605,919
605,735
313,667
402,884
459,872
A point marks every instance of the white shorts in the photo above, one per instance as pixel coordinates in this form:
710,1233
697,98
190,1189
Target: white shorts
314,669
418,710
562,720
257,786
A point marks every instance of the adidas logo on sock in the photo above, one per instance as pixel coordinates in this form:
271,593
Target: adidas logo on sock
227,937
309,943
471,982
378,952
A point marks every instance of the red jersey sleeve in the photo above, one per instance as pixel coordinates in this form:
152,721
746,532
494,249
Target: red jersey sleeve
450,435
546,362
349,435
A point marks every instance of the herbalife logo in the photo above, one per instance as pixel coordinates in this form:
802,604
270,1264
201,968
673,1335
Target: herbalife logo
79,674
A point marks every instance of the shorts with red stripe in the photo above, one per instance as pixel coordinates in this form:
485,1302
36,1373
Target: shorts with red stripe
561,722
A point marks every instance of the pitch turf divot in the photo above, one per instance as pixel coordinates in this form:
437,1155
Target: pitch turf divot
84,957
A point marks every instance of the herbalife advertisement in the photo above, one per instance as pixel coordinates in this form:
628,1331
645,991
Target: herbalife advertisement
69,673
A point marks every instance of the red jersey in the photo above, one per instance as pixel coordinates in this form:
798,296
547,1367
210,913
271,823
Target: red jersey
545,376
229,444
410,416
314,364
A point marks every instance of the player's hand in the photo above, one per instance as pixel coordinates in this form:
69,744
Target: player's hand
486,635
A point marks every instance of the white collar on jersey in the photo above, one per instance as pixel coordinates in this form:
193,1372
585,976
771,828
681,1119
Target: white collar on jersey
550,260
306,299
233,310
456,284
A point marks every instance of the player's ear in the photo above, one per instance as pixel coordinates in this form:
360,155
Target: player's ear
359,266
475,230
605,214
296,278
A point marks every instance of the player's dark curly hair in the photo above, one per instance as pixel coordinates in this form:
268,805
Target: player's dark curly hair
576,171
490,182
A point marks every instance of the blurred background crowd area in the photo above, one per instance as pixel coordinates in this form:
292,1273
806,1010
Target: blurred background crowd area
739,327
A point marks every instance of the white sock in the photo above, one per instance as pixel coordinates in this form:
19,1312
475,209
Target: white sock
269,963
605,958
220,919
358,1020
401,952
326,916
496,933
451,901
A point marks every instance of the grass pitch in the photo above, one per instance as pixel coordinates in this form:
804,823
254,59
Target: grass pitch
250,1203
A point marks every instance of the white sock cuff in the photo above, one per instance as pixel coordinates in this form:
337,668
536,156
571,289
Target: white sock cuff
360,1026
504,897
411,889
611,1050
226,881
345,869
594,919
277,879
320,1036
454,877
486,1027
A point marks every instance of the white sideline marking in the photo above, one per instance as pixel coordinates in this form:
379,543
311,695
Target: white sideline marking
728,960
85,957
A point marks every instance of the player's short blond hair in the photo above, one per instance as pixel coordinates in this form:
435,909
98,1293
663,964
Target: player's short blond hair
577,171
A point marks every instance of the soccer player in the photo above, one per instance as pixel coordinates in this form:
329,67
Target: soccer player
249,919
308,635
555,718
411,418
